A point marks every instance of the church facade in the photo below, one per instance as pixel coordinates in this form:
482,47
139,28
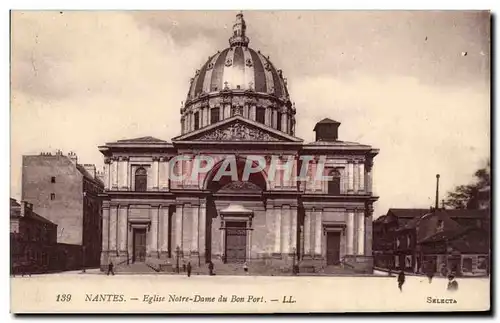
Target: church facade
237,186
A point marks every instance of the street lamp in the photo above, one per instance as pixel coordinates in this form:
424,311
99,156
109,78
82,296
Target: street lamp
293,262
177,252
83,259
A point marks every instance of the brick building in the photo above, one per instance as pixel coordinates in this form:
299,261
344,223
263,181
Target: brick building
66,193
238,106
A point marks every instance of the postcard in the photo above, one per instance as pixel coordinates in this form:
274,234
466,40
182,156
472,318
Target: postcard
250,161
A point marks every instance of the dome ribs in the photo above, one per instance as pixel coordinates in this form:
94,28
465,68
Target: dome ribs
201,79
218,72
260,83
278,91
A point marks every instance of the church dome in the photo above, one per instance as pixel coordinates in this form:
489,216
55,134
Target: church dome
245,75
238,68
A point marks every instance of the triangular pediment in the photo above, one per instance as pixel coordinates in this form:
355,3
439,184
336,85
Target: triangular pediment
238,129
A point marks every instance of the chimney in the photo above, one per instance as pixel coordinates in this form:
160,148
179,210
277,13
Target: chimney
26,207
72,156
437,192
90,168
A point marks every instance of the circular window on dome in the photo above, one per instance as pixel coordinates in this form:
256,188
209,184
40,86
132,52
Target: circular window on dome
229,62
249,62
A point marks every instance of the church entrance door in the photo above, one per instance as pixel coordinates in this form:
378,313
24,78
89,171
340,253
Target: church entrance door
333,248
139,245
236,242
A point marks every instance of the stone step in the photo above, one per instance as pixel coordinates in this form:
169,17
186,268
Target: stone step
134,268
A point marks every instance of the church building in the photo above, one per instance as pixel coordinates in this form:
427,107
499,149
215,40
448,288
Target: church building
156,212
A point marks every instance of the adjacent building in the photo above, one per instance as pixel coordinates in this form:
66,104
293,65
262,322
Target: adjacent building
33,239
66,193
422,240
238,106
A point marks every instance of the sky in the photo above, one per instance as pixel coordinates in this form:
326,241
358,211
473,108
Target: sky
416,84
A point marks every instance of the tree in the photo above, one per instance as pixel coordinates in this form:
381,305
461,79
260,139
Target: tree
467,196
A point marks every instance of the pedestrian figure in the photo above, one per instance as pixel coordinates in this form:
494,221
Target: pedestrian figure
452,283
188,268
245,268
211,268
110,269
183,265
430,274
401,280
390,271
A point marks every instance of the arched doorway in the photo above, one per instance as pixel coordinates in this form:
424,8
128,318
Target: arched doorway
230,214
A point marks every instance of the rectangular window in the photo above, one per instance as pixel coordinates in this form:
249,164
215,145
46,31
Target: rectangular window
214,115
52,196
278,121
53,179
261,115
196,121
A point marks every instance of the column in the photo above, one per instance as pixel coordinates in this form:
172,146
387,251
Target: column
122,229
311,184
307,233
125,173
361,176
222,239
202,116
355,176
112,228
178,226
350,176
155,172
350,232
284,122
368,234
293,178
318,234
202,228
178,168
164,229
188,166
361,232
107,171
105,228
153,231
245,111
114,173
286,224
318,183
195,229
268,116
277,230
369,169
275,119
253,112
163,173
221,112
293,229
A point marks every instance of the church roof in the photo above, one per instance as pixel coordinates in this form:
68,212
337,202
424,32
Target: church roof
147,139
